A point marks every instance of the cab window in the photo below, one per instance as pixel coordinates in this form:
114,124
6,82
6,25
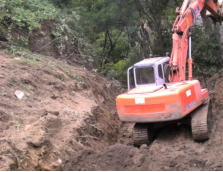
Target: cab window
145,76
160,71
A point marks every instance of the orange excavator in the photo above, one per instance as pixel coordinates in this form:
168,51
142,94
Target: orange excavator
158,89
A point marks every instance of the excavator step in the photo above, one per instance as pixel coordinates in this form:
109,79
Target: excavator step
201,122
142,134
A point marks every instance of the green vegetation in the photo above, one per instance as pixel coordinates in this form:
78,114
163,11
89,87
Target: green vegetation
114,33
18,18
26,13
207,52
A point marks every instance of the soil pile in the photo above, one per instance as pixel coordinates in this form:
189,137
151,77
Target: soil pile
65,109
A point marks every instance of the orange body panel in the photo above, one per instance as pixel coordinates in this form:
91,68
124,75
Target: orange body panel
173,103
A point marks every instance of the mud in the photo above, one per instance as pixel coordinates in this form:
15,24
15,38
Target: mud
67,121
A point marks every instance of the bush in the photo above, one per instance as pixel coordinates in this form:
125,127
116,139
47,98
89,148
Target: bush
206,50
19,18
26,13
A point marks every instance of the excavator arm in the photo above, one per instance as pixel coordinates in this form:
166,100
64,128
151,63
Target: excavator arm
181,35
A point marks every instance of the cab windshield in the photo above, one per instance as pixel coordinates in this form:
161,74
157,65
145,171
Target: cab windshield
145,75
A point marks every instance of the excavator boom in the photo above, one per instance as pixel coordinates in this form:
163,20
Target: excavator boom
181,34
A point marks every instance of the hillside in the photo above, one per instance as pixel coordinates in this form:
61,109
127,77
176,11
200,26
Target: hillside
62,64
67,121
65,109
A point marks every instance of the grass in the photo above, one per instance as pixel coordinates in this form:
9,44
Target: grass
24,58
71,74
4,94
25,61
80,83
31,59
30,89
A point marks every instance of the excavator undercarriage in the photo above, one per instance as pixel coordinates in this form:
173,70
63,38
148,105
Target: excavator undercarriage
200,122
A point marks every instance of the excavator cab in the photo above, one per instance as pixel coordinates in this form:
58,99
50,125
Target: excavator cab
151,99
148,72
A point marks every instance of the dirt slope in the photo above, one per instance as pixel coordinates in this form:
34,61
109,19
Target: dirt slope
67,121
65,109
173,148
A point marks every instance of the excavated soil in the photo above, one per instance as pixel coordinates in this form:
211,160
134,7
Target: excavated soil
173,148
66,109
67,121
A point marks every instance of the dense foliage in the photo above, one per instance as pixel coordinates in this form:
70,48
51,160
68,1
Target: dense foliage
26,13
116,33
23,15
